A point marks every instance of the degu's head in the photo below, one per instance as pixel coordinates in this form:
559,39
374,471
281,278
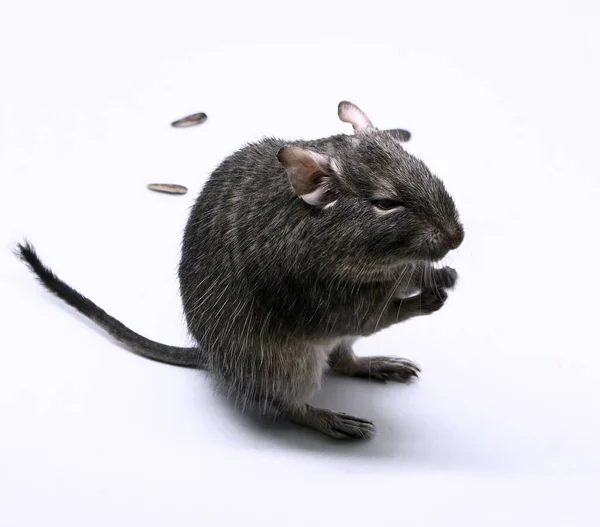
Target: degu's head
391,207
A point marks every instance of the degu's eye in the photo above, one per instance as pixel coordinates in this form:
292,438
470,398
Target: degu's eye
386,204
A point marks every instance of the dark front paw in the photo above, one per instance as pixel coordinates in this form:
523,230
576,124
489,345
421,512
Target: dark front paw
432,299
446,278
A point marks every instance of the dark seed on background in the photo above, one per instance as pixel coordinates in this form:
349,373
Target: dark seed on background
190,120
167,188
400,134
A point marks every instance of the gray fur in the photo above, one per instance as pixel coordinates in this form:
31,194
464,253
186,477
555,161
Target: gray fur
272,285
292,251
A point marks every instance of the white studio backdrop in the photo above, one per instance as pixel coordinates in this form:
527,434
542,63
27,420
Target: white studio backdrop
502,100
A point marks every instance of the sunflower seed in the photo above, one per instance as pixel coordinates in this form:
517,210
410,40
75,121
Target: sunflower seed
400,134
168,188
190,120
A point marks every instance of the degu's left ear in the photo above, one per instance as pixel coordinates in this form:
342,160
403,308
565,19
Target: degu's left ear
309,173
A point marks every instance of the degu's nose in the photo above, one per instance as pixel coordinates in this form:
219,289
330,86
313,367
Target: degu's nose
455,236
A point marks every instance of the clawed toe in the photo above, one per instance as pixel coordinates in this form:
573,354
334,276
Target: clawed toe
346,426
388,369
334,424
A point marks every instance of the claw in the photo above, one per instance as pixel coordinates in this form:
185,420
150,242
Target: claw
387,368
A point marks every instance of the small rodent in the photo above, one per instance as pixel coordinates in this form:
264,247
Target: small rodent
292,251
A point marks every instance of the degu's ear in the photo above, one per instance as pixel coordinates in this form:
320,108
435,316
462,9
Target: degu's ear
350,113
309,173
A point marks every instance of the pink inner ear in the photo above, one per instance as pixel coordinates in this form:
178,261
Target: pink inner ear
308,172
304,167
350,113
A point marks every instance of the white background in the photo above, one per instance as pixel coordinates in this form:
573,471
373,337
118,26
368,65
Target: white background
503,100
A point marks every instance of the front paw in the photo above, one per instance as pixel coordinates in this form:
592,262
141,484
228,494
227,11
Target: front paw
432,299
446,278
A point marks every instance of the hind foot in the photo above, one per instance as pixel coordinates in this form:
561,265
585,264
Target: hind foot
343,361
334,424
384,369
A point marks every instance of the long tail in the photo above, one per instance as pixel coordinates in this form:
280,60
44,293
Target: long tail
188,357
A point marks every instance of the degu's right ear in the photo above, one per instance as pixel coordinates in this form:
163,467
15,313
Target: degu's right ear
350,113
309,173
